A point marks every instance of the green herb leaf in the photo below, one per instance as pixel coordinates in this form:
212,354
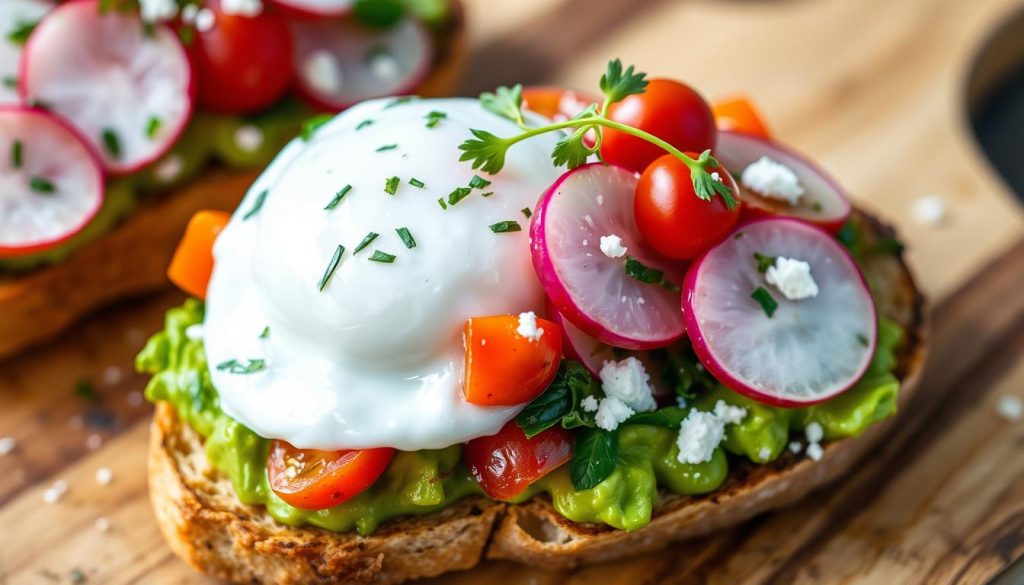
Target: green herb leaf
440,201
112,143
399,101
382,257
152,127
560,402
310,126
16,154
503,227
331,267
10,81
266,332
766,300
370,237
617,84
506,102
486,151
391,185
458,194
387,147
642,272
236,367
21,31
487,194
338,197
763,262
669,417
526,211
380,14
862,339
684,373
705,186
478,182
434,118
256,205
417,183
407,238
42,185
595,453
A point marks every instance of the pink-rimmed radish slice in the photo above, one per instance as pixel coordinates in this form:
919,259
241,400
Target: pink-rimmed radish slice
589,288
17,18
809,350
126,88
824,202
51,182
341,62
314,8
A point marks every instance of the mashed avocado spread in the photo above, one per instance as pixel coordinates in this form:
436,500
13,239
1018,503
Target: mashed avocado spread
421,482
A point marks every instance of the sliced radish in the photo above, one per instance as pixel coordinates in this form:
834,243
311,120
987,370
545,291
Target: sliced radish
809,350
51,182
17,17
823,202
589,288
341,62
127,89
314,8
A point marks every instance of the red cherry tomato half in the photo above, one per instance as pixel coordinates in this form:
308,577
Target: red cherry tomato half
505,464
739,115
668,109
502,367
670,216
242,64
315,480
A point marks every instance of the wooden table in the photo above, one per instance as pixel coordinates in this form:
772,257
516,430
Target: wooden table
874,89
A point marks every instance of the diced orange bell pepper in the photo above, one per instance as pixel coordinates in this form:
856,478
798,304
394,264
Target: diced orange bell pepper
192,264
739,115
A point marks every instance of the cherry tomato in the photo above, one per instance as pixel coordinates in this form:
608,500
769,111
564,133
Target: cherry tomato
503,368
739,115
505,464
242,64
556,103
315,480
670,216
669,110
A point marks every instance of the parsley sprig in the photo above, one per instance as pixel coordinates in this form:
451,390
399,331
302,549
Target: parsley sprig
487,152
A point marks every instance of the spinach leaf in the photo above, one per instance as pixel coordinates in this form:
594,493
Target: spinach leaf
560,403
595,454
669,417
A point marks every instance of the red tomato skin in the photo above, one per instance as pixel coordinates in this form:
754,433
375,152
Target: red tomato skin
504,369
670,216
243,64
668,109
506,463
345,475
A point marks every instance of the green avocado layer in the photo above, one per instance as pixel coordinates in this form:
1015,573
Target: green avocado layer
421,482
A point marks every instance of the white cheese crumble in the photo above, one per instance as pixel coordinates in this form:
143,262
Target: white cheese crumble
815,452
1009,407
589,404
528,326
772,179
796,447
157,10
716,176
55,492
188,13
612,247
194,332
764,454
170,168
248,8
729,414
248,137
699,435
7,444
929,210
205,19
104,476
102,524
814,433
792,278
628,381
321,71
611,413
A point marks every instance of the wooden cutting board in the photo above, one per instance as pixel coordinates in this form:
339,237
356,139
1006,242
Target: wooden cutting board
874,89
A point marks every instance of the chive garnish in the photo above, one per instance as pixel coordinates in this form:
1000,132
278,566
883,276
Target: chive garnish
41,185
363,124
310,126
458,194
487,194
331,267
366,242
766,300
266,332
763,262
236,367
862,339
441,202
20,33
257,205
478,182
387,147
382,257
152,127
527,212
338,197
503,227
111,142
399,101
816,206
642,272
417,183
16,154
10,82
434,118
391,185
407,238
738,235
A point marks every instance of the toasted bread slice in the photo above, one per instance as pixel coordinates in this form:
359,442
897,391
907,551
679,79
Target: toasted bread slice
207,526
132,258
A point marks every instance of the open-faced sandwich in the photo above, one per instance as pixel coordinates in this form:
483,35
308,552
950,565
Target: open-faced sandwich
421,340
119,119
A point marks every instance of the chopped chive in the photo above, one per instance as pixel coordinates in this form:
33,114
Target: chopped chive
738,235
417,183
363,124
20,33
331,267
862,339
10,82
391,185
399,101
766,300
434,118
458,194
478,182
441,202
503,227
111,143
41,185
310,126
16,154
266,332
366,242
257,205
235,367
152,127
764,262
816,206
642,272
382,257
186,34
487,194
338,197
407,238
148,30
387,147
527,212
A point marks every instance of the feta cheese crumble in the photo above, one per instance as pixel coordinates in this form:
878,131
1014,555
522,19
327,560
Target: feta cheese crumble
796,447
248,138
104,476
1010,407
7,444
729,414
157,10
205,19
628,381
699,435
528,326
589,404
322,73
764,454
612,247
611,413
814,433
929,210
815,452
792,278
248,8
773,180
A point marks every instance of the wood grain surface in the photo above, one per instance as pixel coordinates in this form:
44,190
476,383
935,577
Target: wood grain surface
874,90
